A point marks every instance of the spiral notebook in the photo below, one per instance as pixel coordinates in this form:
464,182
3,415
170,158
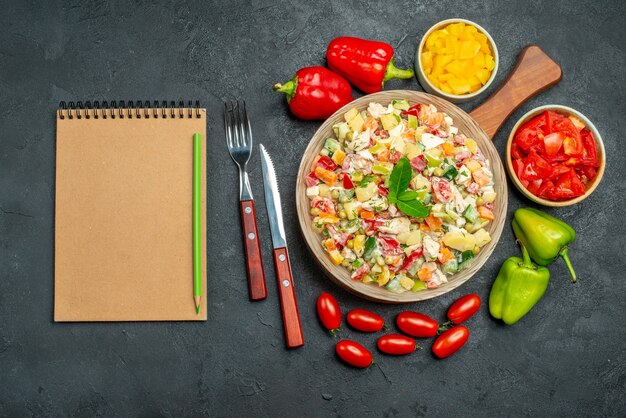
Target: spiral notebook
123,211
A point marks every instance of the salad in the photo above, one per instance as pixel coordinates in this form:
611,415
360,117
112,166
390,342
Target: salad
400,197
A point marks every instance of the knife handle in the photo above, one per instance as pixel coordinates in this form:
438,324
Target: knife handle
254,264
288,303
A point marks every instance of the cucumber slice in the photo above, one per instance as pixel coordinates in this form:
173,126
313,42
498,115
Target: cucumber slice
400,104
331,145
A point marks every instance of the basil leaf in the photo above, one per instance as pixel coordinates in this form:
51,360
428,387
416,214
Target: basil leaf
408,195
400,178
413,208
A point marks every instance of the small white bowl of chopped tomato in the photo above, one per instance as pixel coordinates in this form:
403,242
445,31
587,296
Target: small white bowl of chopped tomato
555,156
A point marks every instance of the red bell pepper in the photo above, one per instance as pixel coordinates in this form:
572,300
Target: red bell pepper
315,93
364,63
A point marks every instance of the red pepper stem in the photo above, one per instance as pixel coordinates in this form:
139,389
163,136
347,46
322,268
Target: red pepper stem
395,72
289,88
564,254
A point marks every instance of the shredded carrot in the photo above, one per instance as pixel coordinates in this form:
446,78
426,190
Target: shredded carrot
366,214
424,227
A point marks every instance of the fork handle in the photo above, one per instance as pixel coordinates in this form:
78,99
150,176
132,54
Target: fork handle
288,303
256,276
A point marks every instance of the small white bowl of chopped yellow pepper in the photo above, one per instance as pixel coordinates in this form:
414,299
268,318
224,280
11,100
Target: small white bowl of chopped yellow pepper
456,59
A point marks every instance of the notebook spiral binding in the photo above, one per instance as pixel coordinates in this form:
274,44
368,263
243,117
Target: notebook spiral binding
140,109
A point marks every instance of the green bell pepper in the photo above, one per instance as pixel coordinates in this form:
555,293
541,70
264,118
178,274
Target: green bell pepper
544,236
518,287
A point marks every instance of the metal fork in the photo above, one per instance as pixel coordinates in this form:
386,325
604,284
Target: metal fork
239,141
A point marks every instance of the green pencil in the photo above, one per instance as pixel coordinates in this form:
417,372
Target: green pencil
197,220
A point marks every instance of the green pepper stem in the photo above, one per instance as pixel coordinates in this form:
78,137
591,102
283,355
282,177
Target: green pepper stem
526,257
289,88
395,72
568,263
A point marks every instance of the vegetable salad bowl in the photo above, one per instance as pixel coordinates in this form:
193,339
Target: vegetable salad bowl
342,276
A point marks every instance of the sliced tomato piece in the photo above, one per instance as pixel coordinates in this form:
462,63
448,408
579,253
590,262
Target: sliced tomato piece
557,170
568,186
518,167
535,167
347,182
590,153
552,143
572,144
587,171
551,117
532,131
545,190
517,151
534,186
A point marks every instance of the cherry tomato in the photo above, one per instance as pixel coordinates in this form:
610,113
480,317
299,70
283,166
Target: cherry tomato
450,341
329,312
396,344
364,320
464,308
353,353
417,325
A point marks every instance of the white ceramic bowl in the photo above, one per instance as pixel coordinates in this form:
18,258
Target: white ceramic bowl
428,86
564,110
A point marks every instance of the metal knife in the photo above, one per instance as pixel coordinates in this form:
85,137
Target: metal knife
288,303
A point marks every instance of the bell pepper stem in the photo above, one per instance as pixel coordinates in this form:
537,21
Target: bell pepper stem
289,88
395,72
564,254
527,262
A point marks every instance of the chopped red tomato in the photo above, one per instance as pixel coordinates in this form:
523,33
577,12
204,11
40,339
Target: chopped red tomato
517,151
545,190
534,186
553,157
413,110
572,144
347,182
532,131
557,170
590,154
553,142
535,167
568,186
326,163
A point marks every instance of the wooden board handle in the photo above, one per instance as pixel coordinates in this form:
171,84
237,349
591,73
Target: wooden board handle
535,72
254,264
288,303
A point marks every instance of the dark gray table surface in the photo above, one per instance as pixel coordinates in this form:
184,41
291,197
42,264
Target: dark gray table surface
566,358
